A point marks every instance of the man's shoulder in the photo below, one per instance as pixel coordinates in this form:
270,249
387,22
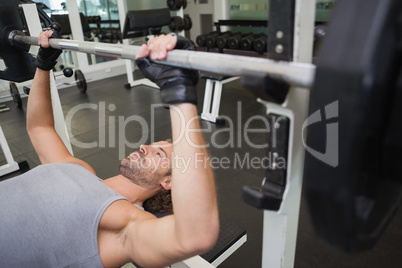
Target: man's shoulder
120,214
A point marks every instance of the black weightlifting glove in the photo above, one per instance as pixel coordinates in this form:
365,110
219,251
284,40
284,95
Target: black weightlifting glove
176,85
47,57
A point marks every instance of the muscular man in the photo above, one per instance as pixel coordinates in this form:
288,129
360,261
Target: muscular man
60,214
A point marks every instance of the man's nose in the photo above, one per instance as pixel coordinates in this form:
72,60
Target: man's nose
144,149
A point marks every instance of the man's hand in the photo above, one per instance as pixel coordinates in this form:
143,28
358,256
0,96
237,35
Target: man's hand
47,56
177,85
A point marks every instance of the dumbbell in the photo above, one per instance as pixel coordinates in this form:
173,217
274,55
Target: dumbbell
188,23
79,77
260,44
184,4
202,39
175,5
234,41
248,40
222,40
176,24
211,40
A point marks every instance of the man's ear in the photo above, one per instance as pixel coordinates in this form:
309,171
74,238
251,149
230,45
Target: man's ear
167,183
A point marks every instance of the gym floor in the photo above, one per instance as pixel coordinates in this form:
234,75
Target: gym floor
115,131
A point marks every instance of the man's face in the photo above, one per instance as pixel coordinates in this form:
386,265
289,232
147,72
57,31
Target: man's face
149,165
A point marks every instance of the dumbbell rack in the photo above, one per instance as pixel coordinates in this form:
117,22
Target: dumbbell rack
236,23
250,23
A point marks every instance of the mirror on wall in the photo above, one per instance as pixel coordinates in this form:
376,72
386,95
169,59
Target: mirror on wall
99,22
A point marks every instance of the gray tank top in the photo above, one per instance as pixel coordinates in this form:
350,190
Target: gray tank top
49,217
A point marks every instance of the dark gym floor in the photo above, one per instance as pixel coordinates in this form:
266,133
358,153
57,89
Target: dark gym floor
115,131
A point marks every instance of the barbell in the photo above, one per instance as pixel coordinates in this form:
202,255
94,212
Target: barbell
293,73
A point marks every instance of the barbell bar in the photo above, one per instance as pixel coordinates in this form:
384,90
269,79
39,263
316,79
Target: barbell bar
293,73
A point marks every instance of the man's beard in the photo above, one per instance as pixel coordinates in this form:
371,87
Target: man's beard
138,174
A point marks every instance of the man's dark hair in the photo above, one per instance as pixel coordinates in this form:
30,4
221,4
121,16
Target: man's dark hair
162,202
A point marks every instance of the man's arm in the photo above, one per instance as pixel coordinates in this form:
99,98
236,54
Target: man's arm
40,122
194,227
193,190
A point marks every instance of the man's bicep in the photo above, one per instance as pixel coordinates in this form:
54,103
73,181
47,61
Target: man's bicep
51,149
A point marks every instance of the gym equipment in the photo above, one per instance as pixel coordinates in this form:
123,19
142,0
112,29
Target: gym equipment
202,39
184,4
11,166
176,24
79,81
68,72
260,44
16,95
351,177
19,62
234,41
145,22
280,226
222,40
247,42
175,5
230,238
188,23
79,77
353,180
300,74
211,40
212,97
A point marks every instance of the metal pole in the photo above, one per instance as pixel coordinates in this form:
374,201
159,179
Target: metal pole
297,74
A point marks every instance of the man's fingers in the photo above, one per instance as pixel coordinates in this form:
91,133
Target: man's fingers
143,52
43,38
171,42
160,45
